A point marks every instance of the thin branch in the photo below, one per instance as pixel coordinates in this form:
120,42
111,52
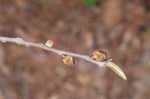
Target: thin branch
20,41
107,63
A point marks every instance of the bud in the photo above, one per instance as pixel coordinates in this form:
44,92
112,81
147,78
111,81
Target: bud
68,60
117,70
49,43
99,55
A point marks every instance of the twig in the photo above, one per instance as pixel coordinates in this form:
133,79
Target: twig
20,41
107,63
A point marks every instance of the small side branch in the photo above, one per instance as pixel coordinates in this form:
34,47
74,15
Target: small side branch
20,41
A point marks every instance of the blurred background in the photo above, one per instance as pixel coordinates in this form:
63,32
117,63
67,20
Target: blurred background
120,26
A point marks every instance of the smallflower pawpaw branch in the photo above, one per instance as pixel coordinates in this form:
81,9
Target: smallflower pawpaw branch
68,56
